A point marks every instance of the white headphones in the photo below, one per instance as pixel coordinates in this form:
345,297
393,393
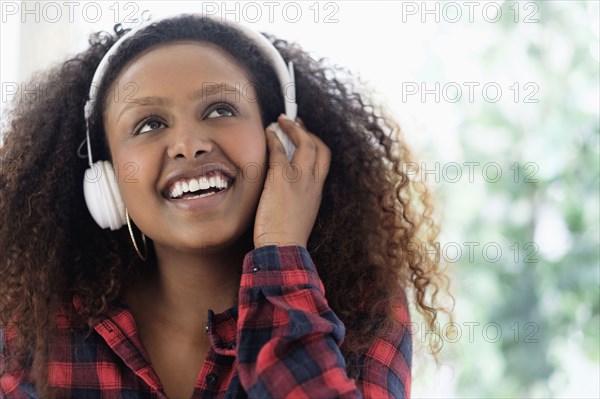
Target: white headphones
100,188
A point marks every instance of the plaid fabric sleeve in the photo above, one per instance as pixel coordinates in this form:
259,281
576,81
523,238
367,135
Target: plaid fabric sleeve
288,337
14,385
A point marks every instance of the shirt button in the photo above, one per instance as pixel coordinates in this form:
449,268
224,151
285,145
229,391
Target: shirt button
206,328
255,269
211,379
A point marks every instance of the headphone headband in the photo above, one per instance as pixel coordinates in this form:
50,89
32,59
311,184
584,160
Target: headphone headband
285,73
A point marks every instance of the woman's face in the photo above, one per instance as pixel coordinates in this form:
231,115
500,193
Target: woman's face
178,110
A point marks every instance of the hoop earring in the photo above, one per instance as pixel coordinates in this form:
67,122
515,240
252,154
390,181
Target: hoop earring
142,257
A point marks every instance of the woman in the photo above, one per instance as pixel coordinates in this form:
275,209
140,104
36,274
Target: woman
262,277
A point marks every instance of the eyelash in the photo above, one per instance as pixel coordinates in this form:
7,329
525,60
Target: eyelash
144,122
155,118
230,107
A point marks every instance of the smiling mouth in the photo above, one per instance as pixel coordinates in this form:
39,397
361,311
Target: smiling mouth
198,187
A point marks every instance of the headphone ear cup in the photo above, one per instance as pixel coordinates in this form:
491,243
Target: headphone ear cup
102,196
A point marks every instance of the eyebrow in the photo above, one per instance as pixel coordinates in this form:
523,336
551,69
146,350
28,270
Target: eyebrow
207,90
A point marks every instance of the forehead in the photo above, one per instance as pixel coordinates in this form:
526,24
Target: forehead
181,64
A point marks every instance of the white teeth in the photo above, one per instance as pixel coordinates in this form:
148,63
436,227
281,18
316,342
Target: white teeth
202,183
193,185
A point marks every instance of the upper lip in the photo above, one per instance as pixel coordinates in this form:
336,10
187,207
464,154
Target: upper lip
195,173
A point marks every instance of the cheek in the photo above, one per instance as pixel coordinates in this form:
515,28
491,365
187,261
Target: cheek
249,152
137,171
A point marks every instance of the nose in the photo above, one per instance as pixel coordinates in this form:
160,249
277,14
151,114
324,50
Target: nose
188,142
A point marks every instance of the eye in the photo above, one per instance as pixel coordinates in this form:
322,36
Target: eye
222,110
148,124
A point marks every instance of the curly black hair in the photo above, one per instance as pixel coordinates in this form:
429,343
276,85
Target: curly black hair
374,235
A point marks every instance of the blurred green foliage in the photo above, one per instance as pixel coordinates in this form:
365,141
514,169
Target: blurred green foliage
544,297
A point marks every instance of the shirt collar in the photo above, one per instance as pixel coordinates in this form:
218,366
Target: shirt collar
221,328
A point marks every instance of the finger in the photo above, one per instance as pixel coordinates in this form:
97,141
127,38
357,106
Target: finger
301,122
306,149
322,160
319,155
321,146
276,148
296,133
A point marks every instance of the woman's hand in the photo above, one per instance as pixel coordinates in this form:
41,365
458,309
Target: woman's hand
291,197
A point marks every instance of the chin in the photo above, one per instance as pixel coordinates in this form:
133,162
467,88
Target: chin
218,243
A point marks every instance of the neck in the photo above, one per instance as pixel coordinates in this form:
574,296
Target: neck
175,295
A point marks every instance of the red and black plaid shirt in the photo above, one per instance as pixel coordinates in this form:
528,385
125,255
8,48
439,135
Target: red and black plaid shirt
280,341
